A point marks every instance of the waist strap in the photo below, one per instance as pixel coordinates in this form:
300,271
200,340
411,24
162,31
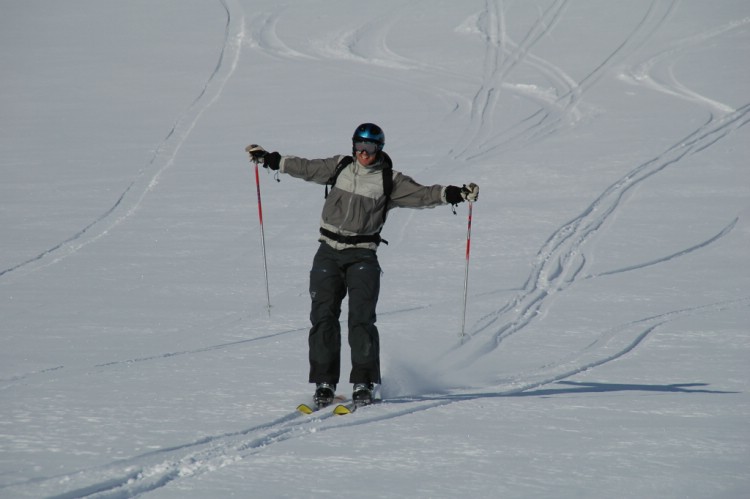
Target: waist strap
353,240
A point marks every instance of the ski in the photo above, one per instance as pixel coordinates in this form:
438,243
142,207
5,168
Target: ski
343,409
364,394
305,409
341,406
350,406
312,407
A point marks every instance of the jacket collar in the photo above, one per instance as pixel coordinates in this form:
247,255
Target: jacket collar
377,165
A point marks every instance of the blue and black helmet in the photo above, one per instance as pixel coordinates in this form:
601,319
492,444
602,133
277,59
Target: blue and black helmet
369,132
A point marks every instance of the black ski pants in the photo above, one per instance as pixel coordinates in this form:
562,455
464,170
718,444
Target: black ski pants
334,274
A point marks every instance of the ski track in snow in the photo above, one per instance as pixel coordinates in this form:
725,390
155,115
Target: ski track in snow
650,74
156,469
499,61
561,260
234,323
166,152
555,111
725,231
611,345
558,265
263,36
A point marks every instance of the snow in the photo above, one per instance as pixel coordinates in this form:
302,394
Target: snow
608,310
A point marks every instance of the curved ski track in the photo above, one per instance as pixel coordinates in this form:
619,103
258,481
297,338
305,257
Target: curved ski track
499,61
561,260
131,198
649,73
554,113
156,469
231,324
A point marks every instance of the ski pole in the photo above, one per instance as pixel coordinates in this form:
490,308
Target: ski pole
466,273
262,237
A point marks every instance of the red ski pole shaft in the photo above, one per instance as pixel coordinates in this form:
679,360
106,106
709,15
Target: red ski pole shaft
466,273
262,237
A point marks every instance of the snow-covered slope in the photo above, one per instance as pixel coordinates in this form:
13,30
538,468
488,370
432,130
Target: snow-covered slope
608,309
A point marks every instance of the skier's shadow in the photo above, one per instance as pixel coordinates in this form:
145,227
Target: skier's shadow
574,387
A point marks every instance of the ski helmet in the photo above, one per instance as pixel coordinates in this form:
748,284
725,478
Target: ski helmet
369,132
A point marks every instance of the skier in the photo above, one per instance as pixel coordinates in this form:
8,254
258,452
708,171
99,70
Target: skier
363,188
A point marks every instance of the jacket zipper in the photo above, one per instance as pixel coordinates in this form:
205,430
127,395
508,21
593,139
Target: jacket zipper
355,171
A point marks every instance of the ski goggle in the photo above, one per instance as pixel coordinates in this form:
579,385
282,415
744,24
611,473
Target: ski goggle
369,147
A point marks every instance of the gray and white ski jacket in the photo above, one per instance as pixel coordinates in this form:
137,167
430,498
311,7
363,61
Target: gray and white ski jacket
355,204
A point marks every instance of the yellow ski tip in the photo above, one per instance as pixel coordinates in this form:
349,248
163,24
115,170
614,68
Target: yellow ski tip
305,409
340,410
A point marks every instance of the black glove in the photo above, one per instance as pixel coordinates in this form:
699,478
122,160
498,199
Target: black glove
271,160
453,195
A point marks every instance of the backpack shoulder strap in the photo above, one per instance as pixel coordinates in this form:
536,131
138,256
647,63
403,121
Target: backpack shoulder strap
345,161
387,177
387,184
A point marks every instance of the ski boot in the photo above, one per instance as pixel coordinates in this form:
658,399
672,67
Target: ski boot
324,393
362,394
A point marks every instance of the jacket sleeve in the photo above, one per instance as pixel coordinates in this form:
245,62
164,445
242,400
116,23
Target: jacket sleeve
312,170
409,194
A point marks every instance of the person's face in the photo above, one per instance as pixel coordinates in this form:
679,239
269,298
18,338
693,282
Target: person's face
367,153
